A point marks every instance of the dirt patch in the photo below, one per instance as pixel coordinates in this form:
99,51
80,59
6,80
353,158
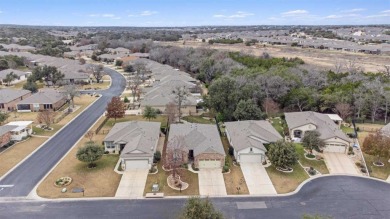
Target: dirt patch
101,181
235,179
17,153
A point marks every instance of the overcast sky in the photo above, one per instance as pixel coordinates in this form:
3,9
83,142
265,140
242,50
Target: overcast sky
193,12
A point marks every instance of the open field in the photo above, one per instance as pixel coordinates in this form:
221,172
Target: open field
101,181
313,57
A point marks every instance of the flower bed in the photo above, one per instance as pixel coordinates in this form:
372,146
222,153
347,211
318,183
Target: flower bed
175,183
310,156
63,181
378,164
288,170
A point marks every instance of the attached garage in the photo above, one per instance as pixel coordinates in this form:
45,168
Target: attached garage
137,164
209,163
251,158
336,148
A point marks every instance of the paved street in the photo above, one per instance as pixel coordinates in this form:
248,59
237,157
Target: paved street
24,178
132,183
257,179
339,163
335,196
211,182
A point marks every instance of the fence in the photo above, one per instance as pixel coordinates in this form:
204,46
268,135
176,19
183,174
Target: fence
101,125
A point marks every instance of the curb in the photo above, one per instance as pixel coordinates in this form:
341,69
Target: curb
44,143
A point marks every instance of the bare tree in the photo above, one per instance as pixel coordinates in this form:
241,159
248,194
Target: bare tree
344,110
352,67
71,91
176,155
387,103
181,94
97,72
171,111
271,107
89,135
134,81
338,66
386,70
140,67
47,117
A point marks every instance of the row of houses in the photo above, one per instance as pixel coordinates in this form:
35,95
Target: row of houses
136,141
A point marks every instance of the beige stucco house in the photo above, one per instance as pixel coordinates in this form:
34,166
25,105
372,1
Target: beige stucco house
301,122
248,139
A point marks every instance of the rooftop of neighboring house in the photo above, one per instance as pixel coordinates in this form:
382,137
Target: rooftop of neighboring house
251,133
8,95
138,136
324,125
44,96
5,72
386,130
202,138
6,128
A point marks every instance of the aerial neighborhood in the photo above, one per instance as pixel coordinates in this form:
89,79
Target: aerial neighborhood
187,113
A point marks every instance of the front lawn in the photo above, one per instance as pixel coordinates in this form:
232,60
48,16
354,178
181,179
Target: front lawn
16,153
198,119
101,181
346,129
161,179
287,182
316,164
377,172
161,118
235,178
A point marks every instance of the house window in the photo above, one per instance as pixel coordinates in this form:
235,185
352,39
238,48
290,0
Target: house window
250,149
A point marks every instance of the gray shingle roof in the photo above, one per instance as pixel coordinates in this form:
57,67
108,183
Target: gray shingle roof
251,133
44,96
6,128
7,95
325,126
386,130
198,137
137,135
5,72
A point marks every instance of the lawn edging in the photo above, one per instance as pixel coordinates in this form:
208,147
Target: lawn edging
44,143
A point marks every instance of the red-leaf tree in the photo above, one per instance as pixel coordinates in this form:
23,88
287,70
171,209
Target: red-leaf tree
115,108
176,155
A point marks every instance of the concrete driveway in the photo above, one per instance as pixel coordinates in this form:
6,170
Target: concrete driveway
257,179
211,182
339,163
132,184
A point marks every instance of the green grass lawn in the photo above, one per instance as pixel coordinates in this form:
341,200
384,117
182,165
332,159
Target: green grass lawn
316,164
287,182
377,172
107,161
276,123
111,122
39,131
346,129
198,119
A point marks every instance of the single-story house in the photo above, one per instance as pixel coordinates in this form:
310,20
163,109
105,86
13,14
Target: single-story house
301,122
135,141
15,131
386,130
9,98
248,139
202,143
21,75
45,99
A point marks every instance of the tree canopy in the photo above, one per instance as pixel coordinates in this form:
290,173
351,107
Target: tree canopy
149,113
312,141
197,208
115,108
90,153
282,154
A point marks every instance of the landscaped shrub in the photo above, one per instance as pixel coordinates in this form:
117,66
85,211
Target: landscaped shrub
312,171
153,169
227,163
185,166
225,169
106,152
231,151
156,157
363,170
126,100
358,164
310,155
194,168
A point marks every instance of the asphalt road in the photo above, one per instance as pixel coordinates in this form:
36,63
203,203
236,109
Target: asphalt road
31,171
334,196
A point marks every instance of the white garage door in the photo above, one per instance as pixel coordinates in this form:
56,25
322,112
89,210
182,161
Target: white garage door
338,148
250,158
209,164
137,164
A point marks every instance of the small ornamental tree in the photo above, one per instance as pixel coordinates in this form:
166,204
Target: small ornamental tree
149,113
90,153
89,135
175,155
377,145
47,117
71,91
3,116
312,141
282,154
171,112
115,108
197,208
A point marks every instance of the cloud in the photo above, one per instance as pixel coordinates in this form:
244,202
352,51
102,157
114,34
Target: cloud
294,13
333,16
148,13
353,10
381,14
112,16
238,14
386,11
